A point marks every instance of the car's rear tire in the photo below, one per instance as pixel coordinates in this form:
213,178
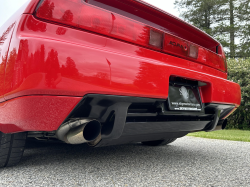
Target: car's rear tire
159,142
11,148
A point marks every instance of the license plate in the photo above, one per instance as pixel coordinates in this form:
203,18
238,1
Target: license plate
185,98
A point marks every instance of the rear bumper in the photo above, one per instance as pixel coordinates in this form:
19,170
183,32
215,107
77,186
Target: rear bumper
53,70
35,113
124,119
77,63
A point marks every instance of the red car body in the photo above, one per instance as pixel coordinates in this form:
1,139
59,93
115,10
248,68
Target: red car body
52,64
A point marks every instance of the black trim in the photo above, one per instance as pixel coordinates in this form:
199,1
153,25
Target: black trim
9,153
126,119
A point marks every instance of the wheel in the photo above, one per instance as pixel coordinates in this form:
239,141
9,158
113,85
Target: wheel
11,148
159,142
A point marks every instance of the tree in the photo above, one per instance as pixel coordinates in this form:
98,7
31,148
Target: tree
200,13
227,28
244,10
219,18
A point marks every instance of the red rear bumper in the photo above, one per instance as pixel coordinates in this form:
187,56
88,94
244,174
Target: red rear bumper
56,66
35,113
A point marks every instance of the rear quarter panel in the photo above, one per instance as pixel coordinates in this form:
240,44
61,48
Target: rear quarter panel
5,36
7,26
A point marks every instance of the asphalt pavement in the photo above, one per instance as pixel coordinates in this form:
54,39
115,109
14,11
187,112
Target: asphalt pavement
188,161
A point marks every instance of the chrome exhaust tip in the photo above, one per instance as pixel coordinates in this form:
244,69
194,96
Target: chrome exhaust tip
78,131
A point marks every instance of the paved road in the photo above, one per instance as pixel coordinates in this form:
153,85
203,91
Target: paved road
187,162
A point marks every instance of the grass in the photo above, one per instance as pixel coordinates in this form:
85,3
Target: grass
235,135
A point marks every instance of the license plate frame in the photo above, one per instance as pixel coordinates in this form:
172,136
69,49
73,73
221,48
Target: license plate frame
184,97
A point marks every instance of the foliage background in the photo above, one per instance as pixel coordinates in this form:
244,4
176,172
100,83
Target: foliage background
226,20
229,22
239,72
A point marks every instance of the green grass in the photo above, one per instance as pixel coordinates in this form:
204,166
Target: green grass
235,135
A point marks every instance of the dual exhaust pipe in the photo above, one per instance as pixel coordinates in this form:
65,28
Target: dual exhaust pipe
78,131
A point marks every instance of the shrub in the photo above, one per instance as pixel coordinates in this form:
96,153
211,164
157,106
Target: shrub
239,72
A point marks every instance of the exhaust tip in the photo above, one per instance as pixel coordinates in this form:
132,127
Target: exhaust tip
78,131
92,130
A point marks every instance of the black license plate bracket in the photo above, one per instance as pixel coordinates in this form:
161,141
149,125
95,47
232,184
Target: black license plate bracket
184,97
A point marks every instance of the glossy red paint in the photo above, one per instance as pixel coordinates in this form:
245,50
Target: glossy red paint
35,113
76,63
31,6
82,15
48,60
5,37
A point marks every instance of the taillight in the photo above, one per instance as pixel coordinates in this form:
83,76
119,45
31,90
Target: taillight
79,14
221,52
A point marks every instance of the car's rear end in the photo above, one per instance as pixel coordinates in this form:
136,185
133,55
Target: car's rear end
110,72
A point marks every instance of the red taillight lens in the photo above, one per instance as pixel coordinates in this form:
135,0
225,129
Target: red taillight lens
128,30
211,59
216,61
221,52
74,13
82,15
79,14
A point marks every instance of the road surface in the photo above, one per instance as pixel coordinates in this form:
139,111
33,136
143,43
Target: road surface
188,161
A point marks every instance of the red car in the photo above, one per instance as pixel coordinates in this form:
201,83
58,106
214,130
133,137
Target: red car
107,72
